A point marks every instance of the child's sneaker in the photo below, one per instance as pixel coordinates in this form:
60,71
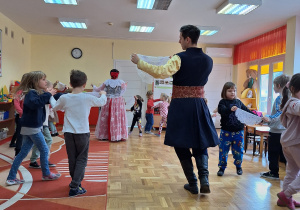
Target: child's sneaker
14,181
288,202
147,132
51,164
220,172
157,134
76,191
140,134
51,176
269,175
34,165
239,170
280,203
129,133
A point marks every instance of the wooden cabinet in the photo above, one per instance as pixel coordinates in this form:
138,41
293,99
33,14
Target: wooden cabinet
156,119
246,101
10,122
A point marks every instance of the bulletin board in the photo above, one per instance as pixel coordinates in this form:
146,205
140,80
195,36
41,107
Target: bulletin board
162,86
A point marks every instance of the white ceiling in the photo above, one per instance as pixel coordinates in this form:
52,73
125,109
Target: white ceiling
37,17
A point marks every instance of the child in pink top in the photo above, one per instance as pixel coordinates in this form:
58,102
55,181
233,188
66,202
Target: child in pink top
290,141
163,111
16,140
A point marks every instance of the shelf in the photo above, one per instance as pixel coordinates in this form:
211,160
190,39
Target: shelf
252,108
7,120
5,102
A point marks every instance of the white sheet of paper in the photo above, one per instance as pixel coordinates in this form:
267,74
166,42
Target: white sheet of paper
247,118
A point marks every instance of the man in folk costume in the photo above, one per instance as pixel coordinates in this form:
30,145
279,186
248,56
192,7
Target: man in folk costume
189,121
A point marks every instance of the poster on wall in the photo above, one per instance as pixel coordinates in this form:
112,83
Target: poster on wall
0,53
162,86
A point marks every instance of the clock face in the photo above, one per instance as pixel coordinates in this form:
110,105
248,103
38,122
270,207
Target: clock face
76,53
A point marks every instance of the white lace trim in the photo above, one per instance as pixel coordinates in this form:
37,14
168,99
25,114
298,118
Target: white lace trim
247,118
114,82
158,61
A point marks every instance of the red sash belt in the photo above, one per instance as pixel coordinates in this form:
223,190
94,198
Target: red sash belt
188,92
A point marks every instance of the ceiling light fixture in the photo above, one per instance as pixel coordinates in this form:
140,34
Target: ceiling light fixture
73,23
71,2
208,30
141,27
238,7
154,4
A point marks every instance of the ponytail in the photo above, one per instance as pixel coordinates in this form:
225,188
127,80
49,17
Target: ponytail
285,96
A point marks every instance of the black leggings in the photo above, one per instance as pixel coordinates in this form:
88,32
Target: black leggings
136,119
185,153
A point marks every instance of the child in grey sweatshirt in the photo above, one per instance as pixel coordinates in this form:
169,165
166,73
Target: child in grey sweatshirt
276,128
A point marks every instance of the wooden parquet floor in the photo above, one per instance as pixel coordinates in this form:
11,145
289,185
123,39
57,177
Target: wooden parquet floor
144,174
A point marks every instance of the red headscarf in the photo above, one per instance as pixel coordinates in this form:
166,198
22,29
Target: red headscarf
114,75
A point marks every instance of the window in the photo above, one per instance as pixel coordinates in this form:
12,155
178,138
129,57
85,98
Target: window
268,69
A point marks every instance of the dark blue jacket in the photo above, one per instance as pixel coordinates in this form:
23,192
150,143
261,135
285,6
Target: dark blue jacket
229,121
34,112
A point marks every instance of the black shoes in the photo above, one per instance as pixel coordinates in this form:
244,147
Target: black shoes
269,175
12,145
54,134
77,191
34,165
193,189
239,171
220,172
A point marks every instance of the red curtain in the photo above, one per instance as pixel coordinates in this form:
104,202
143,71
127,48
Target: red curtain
270,44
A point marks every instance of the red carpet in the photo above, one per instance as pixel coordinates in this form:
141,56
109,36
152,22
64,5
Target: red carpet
54,194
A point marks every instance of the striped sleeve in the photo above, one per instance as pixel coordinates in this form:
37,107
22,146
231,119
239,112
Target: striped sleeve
277,108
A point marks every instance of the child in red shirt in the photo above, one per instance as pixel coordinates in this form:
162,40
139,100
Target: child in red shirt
150,112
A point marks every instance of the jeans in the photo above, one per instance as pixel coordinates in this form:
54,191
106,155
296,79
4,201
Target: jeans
35,152
52,127
149,122
28,141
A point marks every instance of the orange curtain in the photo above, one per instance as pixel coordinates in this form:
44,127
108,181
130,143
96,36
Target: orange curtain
270,44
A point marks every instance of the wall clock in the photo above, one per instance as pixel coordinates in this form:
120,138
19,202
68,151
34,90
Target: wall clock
76,53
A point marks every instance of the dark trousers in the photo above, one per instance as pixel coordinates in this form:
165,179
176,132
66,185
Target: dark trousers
275,152
17,137
185,153
136,119
77,146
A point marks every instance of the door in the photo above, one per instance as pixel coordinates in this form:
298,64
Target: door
220,74
135,86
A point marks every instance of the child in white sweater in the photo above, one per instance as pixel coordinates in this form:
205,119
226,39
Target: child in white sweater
76,106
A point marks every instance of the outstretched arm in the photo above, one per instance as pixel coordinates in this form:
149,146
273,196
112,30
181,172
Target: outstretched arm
164,71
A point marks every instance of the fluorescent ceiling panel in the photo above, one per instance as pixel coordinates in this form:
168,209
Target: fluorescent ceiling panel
71,2
73,23
154,4
208,30
238,7
141,27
